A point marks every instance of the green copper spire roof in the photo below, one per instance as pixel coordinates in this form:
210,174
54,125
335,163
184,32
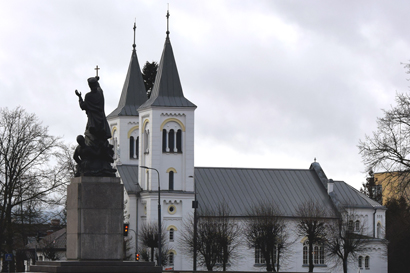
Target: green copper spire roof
133,93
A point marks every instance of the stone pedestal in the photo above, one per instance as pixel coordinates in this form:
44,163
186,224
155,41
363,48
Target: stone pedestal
95,218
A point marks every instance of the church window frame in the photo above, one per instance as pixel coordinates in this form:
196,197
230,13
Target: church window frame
318,254
171,181
378,230
360,262
131,147
357,225
367,262
172,209
259,258
172,136
171,234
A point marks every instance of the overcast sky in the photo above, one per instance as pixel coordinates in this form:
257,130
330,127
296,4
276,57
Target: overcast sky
277,83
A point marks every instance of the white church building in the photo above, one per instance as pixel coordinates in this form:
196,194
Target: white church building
158,133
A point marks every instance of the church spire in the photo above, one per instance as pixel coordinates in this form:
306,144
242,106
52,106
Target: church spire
133,92
167,90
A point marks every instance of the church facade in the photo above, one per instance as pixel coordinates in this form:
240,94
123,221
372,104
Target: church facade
153,140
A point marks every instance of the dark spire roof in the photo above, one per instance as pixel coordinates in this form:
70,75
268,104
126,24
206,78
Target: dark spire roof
167,90
133,93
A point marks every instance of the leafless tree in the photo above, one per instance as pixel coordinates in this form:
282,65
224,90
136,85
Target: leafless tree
265,230
388,148
345,241
218,238
312,224
29,168
148,237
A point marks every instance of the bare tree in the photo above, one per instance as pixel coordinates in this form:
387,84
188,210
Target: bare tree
344,243
148,237
218,238
388,148
312,224
265,231
28,166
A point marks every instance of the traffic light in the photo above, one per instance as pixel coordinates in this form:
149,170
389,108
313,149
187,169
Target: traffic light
125,229
137,257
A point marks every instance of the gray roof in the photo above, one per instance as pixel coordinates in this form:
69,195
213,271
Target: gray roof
56,239
129,177
133,93
243,187
349,197
167,90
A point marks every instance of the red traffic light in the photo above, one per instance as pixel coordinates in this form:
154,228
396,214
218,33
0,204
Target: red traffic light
137,257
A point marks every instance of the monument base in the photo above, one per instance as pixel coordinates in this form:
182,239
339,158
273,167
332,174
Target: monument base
95,266
95,219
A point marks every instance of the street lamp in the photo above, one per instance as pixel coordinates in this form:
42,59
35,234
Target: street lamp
194,206
159,215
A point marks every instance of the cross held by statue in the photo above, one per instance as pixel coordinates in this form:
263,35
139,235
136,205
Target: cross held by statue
96,69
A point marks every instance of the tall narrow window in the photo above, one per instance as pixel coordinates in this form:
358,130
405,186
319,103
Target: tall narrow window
357,225
259,259
171,258
379,230
179,141
147,181
164,140
171,139
367,262
171,181
131,147
360,262
171,235
315,254
305,254
137,147
350,226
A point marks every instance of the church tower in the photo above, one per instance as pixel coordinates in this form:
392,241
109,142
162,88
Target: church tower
124,122
167,145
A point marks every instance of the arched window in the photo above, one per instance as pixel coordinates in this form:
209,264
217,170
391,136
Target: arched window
259,258
179,141
357,225
164,140
360,262
350,226
367,262
305,254
171,181
171,258
171,235
378,230
171,140
318,253
147,181
131,147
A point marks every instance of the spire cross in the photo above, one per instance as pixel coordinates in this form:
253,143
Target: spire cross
167,22
96,69
135,27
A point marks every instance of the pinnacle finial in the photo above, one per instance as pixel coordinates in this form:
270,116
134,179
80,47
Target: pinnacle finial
96,69
135,27
167,22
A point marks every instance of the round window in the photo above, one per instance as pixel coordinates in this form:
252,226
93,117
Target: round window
172,209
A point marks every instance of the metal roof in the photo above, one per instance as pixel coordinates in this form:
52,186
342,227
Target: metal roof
129,177
167,90
133,92
349,197
241,188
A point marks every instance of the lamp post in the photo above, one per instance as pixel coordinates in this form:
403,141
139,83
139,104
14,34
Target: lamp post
195,206
159,215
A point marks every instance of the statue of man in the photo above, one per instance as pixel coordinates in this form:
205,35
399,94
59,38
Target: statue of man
97,129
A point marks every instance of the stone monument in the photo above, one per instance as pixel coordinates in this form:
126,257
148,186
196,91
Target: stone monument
95,200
